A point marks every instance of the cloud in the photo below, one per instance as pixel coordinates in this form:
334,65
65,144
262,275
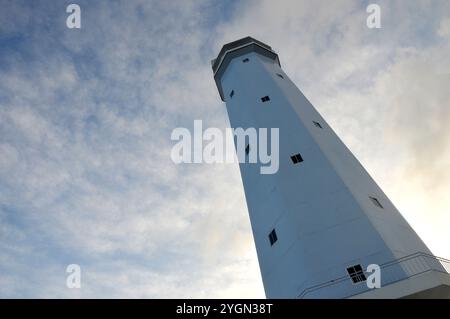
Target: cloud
444,28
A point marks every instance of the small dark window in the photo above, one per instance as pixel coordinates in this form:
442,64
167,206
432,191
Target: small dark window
247,149
376,202
280,76
245,60
232,93
265,98
273,237
356,273
297,158
317,124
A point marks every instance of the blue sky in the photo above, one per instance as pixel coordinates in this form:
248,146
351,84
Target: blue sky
86,116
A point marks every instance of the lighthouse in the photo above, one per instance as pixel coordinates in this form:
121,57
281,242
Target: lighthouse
322,226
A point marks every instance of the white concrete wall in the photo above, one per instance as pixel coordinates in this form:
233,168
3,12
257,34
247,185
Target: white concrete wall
320,208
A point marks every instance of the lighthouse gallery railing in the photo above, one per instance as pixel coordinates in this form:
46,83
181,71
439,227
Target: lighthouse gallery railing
391,272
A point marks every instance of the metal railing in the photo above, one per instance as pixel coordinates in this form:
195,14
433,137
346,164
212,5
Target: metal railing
391,272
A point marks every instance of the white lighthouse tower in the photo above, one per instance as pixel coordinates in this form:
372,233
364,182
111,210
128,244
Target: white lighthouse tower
321,220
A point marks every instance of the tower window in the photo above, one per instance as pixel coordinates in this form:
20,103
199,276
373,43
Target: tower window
280,76
245,60
232,93
273,237
247,149
317,124
376,202
356,273
265,98
297,158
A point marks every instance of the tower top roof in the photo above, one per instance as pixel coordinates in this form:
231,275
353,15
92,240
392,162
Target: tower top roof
237,48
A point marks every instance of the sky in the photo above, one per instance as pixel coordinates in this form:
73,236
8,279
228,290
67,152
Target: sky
86,116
